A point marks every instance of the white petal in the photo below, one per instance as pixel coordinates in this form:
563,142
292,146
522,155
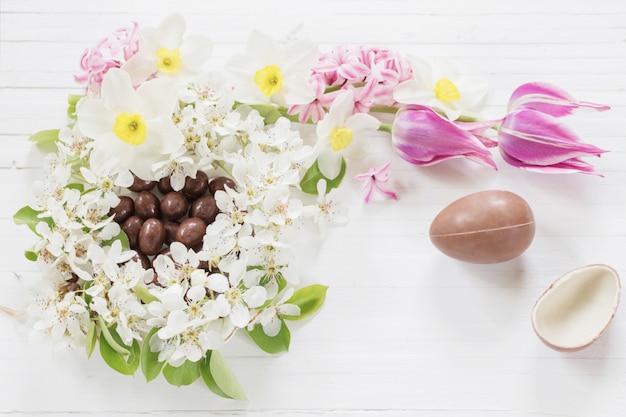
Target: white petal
159,97
272,328
118,93
329,163
218,282
239,315
195,50
255,296
171,31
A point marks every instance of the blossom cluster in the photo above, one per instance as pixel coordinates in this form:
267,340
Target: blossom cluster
151,111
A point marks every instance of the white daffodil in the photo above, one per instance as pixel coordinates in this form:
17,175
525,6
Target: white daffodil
336,132
163,51
132,127
436,84
274,72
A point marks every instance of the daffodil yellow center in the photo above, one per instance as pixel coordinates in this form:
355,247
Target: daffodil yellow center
130,128
269,80
169,60
340,138
445,90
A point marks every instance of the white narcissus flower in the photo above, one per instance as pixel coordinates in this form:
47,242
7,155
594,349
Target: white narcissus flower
274,72
132,127
336,132
436,84
164,52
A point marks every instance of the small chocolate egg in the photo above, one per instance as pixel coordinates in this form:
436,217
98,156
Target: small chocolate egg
485,227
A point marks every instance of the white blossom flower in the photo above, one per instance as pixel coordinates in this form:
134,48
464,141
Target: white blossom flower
270,317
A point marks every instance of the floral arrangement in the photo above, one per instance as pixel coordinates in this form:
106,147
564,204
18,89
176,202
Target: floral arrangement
171,201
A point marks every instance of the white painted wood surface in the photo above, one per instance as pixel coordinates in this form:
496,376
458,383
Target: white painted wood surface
406,331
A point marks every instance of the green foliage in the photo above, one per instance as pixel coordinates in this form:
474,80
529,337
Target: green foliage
30,255
124,359
92,338
185,374
72,100
122,237
275,344
150,365
310,299
46,140
29,216
308,184
220,379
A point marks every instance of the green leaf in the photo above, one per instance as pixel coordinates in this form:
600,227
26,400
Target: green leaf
30,255
220,379
29,216
92,338
313,175
72,100
112,347
143,294
122,237
185,374
275,344
309,299
269,113
150,365
46,140
45,136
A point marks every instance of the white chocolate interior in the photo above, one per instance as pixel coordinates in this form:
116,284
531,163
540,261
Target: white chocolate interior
578,307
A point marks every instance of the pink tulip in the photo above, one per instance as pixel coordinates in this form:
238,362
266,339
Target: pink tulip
422,137
537,141
532,137
548,99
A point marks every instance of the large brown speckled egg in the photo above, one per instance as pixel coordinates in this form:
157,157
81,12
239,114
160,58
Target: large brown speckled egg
485,227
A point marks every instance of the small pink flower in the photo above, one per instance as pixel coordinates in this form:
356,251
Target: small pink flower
375,179
423,137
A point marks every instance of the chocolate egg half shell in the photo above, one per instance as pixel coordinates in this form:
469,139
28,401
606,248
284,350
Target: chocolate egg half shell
485,227
577,308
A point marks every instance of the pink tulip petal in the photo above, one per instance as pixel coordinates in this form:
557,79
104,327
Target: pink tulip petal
423,137
568,166
548,99
541,139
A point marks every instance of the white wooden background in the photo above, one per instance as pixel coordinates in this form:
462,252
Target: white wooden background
406,331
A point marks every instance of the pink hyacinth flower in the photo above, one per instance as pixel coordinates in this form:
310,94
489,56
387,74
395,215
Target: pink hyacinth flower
537,141
423,137
375,180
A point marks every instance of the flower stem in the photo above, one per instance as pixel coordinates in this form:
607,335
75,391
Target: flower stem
380,108
9,311
109,338
385,127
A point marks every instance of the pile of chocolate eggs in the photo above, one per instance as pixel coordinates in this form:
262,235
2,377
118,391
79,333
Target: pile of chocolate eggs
153,214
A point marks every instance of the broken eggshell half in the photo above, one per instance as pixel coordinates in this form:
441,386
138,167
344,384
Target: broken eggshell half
577,308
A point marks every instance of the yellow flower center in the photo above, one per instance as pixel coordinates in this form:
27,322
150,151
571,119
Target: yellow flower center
130,128
445,90
268,80
169,60
340,138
